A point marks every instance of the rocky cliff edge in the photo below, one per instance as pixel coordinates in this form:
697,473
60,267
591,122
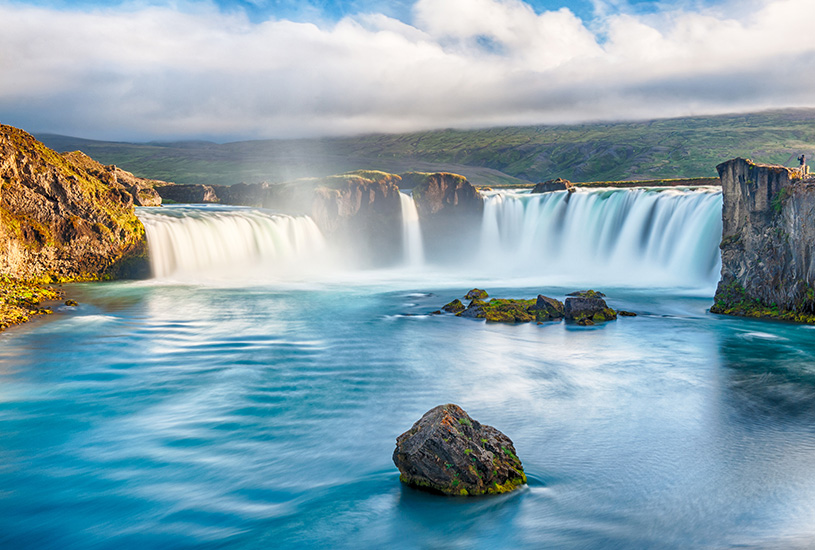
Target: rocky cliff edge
768,242
66,217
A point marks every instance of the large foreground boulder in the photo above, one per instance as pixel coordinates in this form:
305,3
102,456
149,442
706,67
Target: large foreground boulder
448,452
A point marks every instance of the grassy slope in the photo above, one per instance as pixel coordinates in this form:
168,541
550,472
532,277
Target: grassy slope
669,148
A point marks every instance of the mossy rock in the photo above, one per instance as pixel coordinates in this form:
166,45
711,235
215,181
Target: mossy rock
476,294
454,307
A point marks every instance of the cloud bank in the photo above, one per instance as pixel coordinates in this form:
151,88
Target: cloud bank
156,72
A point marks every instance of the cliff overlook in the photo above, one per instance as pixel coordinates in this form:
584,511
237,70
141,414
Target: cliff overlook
768,244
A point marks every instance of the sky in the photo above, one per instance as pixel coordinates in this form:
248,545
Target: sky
224,70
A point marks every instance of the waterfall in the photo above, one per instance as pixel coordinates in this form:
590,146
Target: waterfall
630,237
647,236
190,240
411,232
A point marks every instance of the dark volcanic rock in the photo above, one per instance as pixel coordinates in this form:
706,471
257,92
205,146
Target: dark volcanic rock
558,184
768,242
475,310
191,194
449,452
588,304
454,307
59,221
476,293
547,308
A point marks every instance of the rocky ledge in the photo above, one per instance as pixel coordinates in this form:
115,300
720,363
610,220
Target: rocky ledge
768,242
448,452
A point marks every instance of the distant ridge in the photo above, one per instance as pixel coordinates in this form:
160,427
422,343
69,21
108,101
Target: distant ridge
686,147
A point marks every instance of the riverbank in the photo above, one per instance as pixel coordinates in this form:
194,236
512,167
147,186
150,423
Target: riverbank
20,301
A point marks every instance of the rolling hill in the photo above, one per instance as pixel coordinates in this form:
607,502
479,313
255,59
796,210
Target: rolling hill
666,148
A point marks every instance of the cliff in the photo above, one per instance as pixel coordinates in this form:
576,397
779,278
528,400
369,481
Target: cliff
450,209
768,242
65,218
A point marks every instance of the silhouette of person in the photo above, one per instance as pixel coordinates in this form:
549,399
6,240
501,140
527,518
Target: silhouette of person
803,160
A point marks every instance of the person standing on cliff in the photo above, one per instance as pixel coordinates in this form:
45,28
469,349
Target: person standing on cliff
803,160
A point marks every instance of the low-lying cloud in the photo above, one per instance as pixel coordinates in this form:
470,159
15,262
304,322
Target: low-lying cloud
155,72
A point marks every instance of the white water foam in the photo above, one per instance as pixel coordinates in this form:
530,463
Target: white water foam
411,232
187,241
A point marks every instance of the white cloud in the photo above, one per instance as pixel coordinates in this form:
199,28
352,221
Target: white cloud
153,71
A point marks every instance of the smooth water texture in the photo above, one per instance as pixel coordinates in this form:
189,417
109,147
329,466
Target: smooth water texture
247,409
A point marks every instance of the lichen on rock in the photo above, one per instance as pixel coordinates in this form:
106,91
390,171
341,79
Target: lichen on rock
448,452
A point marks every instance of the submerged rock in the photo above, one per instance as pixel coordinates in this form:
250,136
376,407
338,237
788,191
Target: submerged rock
448,452
588,304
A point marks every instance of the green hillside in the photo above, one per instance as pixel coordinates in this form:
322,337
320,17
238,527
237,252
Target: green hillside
668,148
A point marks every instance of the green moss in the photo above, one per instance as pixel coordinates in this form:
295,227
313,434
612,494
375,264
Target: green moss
465,422
733,299
779,199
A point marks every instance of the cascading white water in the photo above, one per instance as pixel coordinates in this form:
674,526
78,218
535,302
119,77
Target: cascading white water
640,236
411,232
191,240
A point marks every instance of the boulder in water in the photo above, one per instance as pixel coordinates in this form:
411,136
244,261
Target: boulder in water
448,452
547,308
476,293
588,304
454,307
474,310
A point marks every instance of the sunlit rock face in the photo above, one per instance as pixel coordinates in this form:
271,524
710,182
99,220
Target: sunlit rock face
448,452
768,242
65,217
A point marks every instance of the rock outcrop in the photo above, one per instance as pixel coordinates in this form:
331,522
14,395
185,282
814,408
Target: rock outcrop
448,452
363,207
59,221
450,210
141,189
188,193
768,242
558,184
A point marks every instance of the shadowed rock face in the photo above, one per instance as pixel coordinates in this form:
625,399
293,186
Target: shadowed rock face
558,184
451,210
193,194
768,242
446,451
59,221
